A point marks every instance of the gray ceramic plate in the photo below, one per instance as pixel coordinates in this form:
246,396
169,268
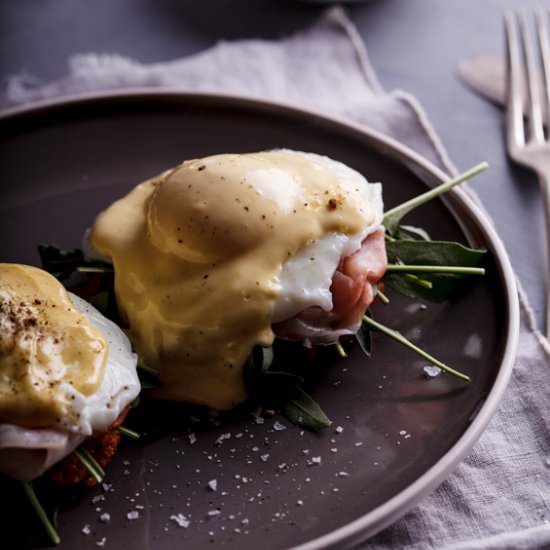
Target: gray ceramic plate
402,434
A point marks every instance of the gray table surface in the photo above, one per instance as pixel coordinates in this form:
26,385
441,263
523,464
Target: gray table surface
414,45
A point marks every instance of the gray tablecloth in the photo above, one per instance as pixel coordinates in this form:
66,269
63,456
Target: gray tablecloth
498,497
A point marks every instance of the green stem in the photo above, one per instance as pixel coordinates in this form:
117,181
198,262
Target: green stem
383,298
340,349
40,512
453,269
128,433
92,465
141,366
93,269
398,337
409,205
418,281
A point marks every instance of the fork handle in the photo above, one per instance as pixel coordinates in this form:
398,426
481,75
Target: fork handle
544,179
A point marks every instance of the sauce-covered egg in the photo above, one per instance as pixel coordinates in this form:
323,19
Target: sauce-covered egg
209,255
65,371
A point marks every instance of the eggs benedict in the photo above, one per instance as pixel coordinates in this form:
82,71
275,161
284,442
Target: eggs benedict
224,253
66,372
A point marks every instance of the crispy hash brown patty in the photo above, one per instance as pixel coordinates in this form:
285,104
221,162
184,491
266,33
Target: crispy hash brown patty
103,447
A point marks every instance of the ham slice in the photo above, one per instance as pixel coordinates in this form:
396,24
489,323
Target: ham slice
352,291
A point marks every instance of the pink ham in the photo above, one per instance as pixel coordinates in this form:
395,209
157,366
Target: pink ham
352,293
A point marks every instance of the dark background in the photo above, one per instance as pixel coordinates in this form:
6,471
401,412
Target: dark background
414,45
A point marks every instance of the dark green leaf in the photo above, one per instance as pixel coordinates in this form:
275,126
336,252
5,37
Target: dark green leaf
276,385
303,410
101,301
267,385
58,262
148,384
430,253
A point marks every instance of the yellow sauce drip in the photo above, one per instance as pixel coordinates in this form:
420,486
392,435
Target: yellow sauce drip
197,252
45,343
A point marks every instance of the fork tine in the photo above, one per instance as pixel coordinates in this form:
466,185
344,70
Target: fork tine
514,111
536,130
544,47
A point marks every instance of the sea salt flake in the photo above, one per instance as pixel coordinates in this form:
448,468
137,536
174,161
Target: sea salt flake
315,460
101,543
132,515
105,518
213,484
402,432
278,427
192,438
86,530
98,498
432,371
342,474
358,443
300,502
339,429
264,458
222,437
213,513
181,520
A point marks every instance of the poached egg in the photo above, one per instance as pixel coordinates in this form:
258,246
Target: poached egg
209,255
65,371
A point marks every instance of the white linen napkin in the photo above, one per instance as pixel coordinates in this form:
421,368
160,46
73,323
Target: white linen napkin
498,497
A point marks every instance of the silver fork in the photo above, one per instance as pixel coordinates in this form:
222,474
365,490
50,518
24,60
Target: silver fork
527,142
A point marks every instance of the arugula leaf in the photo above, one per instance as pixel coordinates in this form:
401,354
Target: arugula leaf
392,217
408,232
40,512
398,337
132,434
101,301
91,464
364,338
275,383
303,410
430,253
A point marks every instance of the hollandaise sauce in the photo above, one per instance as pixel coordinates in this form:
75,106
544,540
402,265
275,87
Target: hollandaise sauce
197,252
48,350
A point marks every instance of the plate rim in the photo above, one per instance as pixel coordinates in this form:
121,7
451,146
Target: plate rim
388,512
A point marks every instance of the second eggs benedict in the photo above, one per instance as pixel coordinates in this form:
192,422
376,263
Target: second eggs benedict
226,252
